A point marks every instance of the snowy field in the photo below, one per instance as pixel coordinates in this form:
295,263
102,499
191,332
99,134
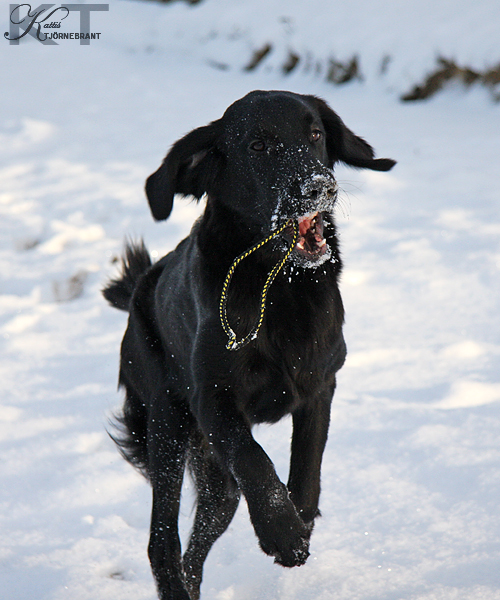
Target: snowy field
411,479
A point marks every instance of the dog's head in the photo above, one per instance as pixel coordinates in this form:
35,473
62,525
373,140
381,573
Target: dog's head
269,159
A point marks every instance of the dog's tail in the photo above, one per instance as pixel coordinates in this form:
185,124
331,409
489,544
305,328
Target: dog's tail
130,436
135,262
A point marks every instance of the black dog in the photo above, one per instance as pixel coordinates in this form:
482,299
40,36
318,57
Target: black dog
265,166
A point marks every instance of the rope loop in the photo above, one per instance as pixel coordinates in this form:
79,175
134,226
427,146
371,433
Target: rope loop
233,343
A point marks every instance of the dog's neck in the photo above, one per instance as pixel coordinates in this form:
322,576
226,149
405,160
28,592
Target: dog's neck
219,243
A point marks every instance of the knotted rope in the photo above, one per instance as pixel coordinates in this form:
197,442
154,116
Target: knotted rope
233,343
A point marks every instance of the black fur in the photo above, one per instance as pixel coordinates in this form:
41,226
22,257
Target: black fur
189,400
135,262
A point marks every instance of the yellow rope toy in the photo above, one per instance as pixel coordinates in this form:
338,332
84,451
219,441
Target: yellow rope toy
233,344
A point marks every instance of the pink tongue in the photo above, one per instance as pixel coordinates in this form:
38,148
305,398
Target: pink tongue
304,227
305,243
305,223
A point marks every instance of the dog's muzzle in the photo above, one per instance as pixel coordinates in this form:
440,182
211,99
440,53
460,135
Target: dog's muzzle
316,199
320,192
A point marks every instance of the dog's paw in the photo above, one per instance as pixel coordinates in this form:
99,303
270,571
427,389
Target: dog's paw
281,531
179,594
287,539
294,555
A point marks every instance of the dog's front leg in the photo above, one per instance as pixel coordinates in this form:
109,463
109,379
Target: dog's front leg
281,532
310,432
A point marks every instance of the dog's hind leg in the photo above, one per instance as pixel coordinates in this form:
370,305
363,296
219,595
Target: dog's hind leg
169,429
218,498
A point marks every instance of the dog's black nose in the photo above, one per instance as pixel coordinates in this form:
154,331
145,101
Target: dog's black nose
319,187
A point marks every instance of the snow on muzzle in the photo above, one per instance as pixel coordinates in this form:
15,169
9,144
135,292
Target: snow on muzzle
308,209
319,193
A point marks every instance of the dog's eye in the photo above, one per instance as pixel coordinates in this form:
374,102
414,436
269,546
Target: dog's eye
258,146
316,135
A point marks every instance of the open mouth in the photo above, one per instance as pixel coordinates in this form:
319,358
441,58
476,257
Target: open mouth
311,243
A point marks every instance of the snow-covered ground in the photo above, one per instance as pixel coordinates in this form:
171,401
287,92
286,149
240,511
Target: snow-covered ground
411,480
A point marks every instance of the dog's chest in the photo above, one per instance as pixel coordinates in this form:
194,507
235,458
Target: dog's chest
291,360
268,388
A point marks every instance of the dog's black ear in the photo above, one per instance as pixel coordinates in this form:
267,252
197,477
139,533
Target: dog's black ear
343,145
189,168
